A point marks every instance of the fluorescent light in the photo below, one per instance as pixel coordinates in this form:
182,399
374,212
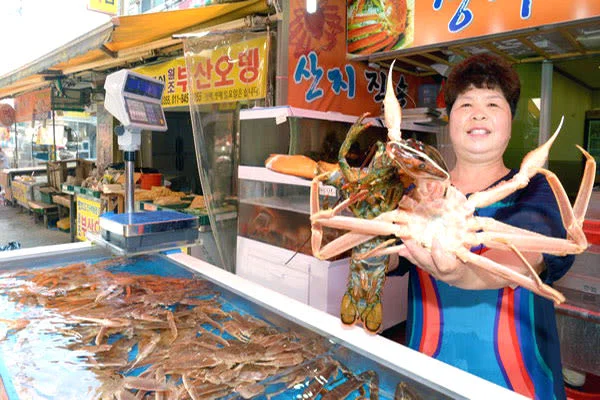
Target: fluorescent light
311,6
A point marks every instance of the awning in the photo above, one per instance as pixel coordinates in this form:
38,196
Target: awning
122,40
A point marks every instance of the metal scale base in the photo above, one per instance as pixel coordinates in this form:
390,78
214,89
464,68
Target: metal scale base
148,231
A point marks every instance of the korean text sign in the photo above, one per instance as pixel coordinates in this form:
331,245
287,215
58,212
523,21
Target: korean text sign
88,216
321,77
229,73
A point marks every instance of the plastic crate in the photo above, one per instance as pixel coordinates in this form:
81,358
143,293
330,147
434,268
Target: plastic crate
87,192
67,188
37,195
57,172
591,228
46,195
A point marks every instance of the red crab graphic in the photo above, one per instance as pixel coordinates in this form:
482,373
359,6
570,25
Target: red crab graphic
317,31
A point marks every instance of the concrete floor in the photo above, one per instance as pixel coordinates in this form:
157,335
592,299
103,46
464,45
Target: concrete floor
19,225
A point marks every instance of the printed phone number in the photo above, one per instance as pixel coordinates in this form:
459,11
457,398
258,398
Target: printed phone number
210,96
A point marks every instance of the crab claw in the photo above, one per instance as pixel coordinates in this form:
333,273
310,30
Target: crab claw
392,112
536,158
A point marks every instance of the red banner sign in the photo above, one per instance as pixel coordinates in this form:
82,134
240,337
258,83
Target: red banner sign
319,76
33,106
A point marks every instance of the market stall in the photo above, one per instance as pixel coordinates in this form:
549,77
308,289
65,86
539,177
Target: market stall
7,176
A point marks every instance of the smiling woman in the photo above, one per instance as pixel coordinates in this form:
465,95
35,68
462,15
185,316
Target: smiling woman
460,314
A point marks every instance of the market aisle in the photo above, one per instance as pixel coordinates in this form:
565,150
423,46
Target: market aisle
20,226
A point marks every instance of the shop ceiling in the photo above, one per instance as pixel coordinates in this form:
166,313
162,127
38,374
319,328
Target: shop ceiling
573,48
123,42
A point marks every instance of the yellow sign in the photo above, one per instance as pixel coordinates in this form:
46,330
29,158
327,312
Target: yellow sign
88,216
21,192
229,73
103,6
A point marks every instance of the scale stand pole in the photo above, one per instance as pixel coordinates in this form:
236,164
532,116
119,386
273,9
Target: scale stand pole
129,157
129,141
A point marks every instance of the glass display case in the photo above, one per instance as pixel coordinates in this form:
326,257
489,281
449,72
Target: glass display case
290,130
274,209
100,326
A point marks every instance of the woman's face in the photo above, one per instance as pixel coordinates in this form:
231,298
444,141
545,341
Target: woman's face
480,125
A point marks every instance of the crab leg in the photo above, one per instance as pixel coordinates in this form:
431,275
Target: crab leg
379,226
317,228
573,217
341,244
361,231
392,115
497,235
505,272
529,242
532,271
585,190
532,283
533,161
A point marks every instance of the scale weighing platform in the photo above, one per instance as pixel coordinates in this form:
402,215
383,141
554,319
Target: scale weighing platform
139,231
136,101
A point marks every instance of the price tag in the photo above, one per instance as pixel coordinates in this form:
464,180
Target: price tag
327,190
280,119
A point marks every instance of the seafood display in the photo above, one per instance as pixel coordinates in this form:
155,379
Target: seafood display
281,227
435,209
145,327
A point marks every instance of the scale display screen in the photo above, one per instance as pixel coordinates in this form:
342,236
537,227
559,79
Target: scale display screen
143,87
135,100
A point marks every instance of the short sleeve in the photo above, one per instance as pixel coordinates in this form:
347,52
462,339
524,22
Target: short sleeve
535,208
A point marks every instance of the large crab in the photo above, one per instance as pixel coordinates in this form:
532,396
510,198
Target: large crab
436,209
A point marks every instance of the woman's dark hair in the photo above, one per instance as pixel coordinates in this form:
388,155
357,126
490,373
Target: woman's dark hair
484,70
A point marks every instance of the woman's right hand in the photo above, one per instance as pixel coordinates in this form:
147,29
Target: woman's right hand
438,262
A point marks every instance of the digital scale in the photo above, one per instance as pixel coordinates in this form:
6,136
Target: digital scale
135,100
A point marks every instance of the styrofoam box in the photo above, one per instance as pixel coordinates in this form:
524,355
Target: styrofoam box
320,284
584,275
